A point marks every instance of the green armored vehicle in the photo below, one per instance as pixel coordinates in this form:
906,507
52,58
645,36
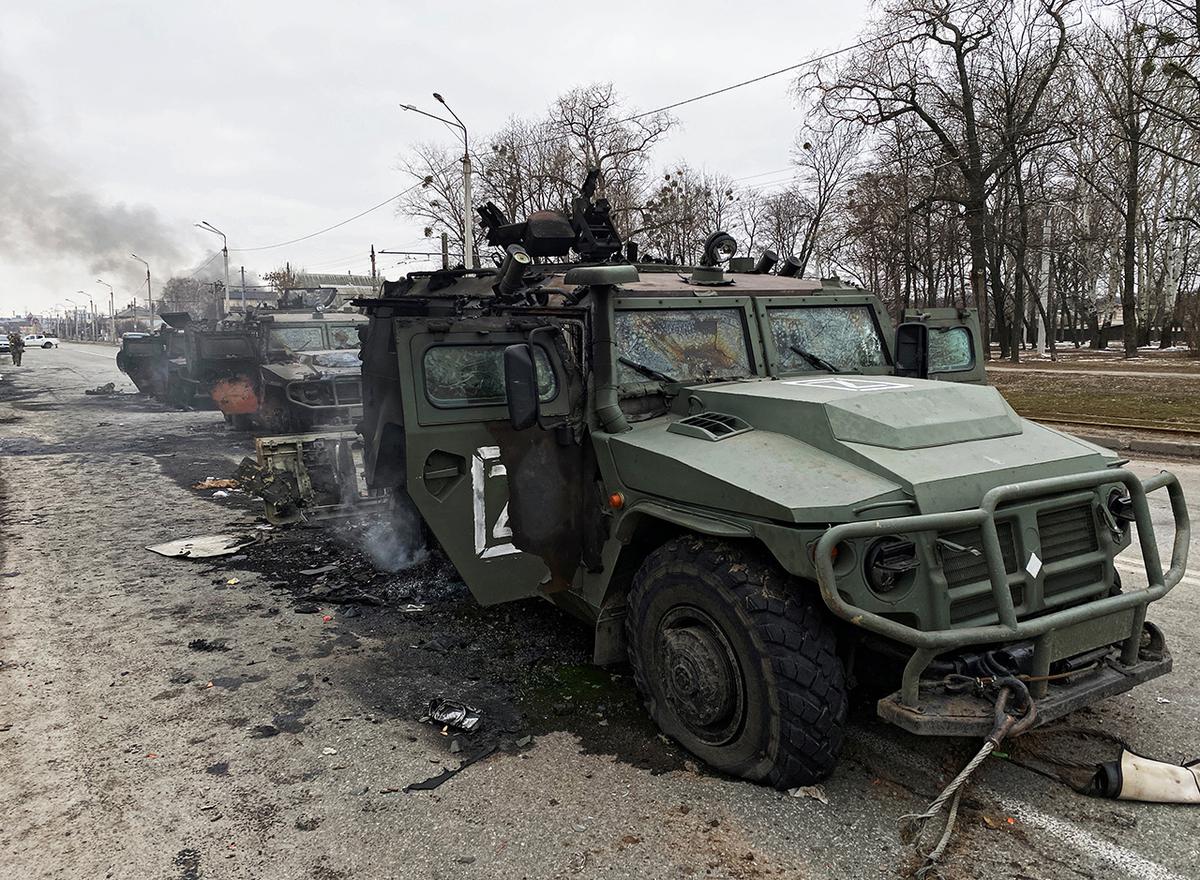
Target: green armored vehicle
755,487
282,371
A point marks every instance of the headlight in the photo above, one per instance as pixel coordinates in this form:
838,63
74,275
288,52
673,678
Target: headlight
887,561
1120,506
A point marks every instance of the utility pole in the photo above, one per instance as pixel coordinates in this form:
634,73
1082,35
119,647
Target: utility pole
372,262
243,288
468,212
149,295
208,227
445,251
110,299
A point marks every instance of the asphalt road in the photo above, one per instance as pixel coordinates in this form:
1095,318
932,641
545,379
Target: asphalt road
279,747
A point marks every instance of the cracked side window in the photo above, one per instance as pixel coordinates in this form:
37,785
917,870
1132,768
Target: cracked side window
473,375
950,350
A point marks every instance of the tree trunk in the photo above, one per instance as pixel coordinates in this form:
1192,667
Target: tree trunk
1129,314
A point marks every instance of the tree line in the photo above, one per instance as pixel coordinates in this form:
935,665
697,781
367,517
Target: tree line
1034,159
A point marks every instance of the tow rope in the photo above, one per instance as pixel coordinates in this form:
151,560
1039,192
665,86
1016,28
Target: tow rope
1008,722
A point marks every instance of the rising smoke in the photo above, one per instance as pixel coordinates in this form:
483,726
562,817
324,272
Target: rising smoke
47,212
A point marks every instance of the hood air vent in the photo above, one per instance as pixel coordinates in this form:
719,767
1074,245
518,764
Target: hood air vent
709,426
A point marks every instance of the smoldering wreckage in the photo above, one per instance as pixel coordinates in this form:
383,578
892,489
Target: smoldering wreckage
754,487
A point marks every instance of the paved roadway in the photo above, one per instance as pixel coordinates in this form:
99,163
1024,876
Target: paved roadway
121,762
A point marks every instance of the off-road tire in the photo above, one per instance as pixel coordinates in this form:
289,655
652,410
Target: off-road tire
788,726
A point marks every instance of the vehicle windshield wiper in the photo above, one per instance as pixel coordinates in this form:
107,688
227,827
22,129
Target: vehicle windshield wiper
816,360
646,371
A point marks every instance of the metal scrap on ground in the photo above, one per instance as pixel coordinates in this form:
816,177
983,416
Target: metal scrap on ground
201,547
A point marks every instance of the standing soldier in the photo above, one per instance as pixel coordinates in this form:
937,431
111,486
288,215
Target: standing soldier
18,347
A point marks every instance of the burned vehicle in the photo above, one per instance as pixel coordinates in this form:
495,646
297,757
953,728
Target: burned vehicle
153,360
282,371
755,487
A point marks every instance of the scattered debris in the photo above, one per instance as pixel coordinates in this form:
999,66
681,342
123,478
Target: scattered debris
232,582
454,714
208,645
1161,700
220,493
103,390
328,751
214,483
412,608
201,547
447,774
524,741
313,572
816,792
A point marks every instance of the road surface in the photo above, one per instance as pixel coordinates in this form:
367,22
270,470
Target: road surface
177,719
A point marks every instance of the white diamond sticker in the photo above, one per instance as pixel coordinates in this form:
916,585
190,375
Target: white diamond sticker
1034,565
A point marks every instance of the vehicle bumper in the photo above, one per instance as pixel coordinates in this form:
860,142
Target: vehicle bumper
943,712
344,394
1117,619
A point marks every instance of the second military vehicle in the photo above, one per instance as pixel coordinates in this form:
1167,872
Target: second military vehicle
749,483
282,371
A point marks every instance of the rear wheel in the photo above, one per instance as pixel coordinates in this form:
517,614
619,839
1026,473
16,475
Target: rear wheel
737,664
47,345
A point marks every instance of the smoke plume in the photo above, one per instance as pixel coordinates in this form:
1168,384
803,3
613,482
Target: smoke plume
48,212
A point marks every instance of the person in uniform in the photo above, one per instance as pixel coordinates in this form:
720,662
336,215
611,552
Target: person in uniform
18,347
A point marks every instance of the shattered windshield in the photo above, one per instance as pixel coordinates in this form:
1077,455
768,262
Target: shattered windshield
845,337
334,359
682,344
343,335
297,339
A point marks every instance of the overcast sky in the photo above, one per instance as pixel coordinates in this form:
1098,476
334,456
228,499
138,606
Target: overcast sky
122,124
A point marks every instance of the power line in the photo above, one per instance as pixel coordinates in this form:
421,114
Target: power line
666,107
387,201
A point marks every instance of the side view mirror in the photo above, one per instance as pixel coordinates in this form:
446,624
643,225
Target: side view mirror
912,350
521,386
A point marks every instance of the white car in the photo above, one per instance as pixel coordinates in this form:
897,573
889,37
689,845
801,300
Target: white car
39,340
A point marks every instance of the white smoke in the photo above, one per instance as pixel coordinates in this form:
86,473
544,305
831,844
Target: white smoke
396,542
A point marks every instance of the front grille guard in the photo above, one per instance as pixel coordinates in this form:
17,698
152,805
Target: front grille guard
930,643
292,390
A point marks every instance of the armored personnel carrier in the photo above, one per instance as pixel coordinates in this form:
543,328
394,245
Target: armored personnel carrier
748,483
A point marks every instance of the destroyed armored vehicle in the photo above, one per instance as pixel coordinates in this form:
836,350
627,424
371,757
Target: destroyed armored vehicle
282,371
757,489
152,360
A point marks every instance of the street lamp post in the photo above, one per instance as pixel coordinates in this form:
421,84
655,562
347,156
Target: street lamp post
468,219
149,295
74,317
111,311
208,227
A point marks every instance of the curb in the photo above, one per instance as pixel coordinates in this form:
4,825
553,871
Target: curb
1169,448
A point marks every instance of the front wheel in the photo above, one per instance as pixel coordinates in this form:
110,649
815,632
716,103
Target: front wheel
736,663
47,345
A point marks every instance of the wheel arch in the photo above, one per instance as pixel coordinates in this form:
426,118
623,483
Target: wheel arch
640,532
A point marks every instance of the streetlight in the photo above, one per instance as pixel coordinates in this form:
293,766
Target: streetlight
208,227
468,220
149,295
74,315
112,311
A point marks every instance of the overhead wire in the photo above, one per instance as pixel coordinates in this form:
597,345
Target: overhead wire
632,118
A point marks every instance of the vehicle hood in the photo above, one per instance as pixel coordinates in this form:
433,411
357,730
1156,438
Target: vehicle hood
316,365
818,449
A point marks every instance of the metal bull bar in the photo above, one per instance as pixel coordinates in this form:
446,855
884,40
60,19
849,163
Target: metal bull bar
930,643
295,395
